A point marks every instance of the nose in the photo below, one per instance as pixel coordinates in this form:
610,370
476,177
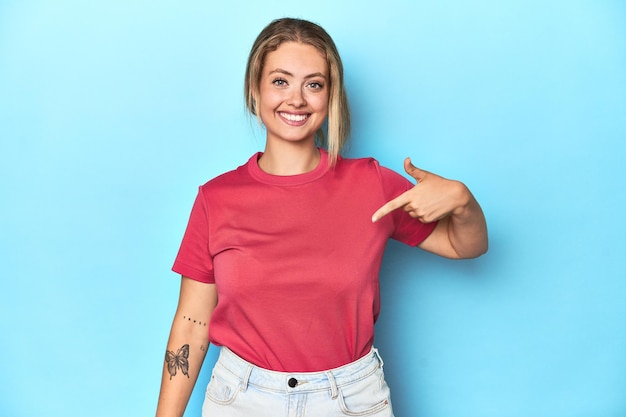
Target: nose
296,98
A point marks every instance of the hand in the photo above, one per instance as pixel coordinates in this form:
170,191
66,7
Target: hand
432,199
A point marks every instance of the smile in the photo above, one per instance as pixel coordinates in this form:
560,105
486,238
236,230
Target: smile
297,118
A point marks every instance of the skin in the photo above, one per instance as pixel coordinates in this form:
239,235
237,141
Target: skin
462,230
190,327
293,103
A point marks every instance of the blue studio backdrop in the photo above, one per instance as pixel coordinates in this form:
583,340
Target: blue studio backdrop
113,112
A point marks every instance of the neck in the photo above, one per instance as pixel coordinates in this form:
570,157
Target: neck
293,159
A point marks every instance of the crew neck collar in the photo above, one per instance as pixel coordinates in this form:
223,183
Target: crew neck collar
257,173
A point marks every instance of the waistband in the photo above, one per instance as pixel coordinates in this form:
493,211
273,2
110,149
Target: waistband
298,382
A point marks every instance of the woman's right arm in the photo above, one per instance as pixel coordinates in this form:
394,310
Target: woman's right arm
186,347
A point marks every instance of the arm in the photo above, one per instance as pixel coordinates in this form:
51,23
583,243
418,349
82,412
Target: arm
462,234
461,231
187,346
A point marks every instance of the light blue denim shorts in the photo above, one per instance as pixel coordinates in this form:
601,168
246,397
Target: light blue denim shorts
239,389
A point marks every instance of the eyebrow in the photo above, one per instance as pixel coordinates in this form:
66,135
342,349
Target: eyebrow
282,71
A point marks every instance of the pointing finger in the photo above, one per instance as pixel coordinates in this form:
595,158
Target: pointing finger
390,206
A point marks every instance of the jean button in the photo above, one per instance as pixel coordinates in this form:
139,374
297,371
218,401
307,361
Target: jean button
292,382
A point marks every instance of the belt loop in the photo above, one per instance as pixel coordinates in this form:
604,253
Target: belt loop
333,385
246,378
380,359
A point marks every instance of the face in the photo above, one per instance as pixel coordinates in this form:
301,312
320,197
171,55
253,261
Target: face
293,93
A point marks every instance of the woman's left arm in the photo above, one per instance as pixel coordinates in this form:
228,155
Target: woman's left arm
462,230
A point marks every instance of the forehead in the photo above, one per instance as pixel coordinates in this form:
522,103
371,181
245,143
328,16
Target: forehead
296,58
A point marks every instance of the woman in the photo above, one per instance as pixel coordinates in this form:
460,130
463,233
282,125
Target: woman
291,245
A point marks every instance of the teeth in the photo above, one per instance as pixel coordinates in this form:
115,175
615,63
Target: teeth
294,117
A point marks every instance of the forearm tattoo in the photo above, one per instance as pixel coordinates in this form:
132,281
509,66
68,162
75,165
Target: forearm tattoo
179,360
200,323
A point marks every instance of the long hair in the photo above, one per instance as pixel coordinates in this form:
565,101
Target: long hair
305,32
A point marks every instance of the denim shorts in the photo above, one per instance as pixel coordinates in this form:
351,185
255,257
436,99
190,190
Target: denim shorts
239,389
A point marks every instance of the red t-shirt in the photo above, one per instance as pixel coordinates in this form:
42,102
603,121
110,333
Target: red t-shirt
296,259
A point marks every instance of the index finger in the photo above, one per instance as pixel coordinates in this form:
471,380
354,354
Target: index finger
390,206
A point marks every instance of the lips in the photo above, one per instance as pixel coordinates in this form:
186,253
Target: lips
294,119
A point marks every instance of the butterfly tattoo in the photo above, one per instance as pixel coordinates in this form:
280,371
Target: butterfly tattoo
180,360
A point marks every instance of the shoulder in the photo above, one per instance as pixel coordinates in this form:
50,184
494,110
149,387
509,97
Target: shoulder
368,165
369,171
228,179
358,164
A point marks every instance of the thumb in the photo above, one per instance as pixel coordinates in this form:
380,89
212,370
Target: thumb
414,171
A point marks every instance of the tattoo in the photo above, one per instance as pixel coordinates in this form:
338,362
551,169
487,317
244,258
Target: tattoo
202,348
195,321
178,360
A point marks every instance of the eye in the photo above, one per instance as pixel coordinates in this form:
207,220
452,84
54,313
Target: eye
315,85
279,82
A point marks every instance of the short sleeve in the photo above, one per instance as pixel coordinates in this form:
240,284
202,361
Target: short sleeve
194,259
406,229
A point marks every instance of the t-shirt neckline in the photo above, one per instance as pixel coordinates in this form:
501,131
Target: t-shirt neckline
257,173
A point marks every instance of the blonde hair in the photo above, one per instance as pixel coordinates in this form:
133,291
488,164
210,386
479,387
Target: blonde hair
305,32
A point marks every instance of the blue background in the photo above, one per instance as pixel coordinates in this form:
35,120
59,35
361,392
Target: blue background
113,112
